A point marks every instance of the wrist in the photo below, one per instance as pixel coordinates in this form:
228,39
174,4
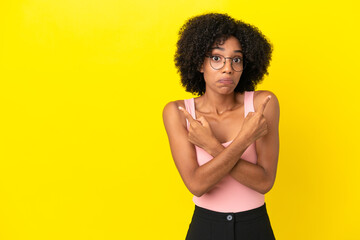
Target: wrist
243,139
215,148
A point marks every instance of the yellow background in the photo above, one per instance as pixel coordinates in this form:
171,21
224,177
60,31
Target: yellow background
83,150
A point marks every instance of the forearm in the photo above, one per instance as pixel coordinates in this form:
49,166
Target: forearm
252,175
210,173
248,174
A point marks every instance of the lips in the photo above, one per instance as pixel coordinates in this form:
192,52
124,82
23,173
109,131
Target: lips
226,81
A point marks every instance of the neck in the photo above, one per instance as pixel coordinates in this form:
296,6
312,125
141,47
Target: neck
218,103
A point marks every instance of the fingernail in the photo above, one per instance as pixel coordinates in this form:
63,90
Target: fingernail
269,96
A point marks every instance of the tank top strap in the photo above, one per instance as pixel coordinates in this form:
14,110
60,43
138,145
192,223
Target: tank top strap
190,107
249,102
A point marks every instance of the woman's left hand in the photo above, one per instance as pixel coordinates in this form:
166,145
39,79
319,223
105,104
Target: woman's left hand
200,133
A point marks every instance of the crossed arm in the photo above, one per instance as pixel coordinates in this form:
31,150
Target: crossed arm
200,179
259,176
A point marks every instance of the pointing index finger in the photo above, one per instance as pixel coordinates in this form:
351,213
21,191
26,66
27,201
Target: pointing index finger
262,107
187,115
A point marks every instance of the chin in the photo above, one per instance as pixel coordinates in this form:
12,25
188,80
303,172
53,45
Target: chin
227,91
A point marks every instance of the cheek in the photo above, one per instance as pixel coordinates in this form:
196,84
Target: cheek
209,76
239,79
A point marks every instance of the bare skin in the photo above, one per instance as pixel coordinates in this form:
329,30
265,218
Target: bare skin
220,118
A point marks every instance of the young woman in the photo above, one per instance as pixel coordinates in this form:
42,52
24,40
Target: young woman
224,143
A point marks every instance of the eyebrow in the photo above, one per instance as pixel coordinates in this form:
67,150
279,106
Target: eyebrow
222,49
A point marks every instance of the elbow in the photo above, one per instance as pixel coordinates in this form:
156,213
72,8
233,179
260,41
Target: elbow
264,190
199,193
196,186
196,192
266,187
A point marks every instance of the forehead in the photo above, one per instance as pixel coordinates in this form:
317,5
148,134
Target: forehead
232,43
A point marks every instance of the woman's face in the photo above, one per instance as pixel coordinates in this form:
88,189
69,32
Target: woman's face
225,79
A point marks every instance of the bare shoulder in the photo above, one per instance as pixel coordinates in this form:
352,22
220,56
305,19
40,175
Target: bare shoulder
172,104
172,113
272,109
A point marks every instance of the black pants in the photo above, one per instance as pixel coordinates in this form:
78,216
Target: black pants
248,225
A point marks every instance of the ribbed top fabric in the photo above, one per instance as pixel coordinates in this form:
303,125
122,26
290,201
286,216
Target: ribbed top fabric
228,195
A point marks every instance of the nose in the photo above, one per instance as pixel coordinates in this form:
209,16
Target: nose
227,66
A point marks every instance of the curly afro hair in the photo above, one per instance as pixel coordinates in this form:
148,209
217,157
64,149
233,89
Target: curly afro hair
200,33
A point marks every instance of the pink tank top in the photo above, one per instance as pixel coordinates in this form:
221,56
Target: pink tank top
228,195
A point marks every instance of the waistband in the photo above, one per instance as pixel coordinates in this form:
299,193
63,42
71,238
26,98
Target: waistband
228,216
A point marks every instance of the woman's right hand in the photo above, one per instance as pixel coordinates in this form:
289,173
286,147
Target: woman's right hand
254,125
200,133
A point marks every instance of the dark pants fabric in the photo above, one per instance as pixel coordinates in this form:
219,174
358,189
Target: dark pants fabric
248,225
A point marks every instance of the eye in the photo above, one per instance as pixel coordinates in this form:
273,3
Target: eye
216,58
237,60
